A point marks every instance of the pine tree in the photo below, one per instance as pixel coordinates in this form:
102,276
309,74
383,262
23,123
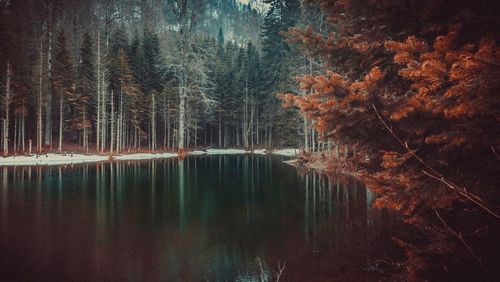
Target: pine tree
85,89
63,79
277,61
130,100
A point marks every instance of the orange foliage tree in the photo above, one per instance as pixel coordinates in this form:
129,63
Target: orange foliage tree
414,87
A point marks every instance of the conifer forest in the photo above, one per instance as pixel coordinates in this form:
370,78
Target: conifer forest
371,125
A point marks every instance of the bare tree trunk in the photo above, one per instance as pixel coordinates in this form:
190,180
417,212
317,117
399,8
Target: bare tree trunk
165,110
119,135
6,100
15,133
98,122
23,127
306,135
245,118
196,128
85,132
257,119
182,117
60,122
270,132
169,134
48,101
220,127
153,122
112,120
103,116
39,125
313,139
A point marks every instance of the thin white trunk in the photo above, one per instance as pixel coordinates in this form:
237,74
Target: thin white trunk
165,123
15,133
60,122
153,122
169,130
182,117
257,119
98,122
7,100
220,127
85,132
313,139
306,135
48,102
39,125
103,116
23,127
112,120
119,129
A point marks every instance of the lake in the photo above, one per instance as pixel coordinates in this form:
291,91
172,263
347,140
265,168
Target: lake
203,218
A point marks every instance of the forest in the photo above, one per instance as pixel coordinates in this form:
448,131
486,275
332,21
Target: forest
121,76
402,94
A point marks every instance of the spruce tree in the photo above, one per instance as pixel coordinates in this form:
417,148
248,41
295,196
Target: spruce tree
86,77
63,83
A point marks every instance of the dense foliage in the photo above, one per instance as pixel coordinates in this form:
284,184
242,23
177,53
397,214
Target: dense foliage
413,89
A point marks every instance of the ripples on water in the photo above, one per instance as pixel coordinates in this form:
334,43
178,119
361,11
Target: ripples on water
201,218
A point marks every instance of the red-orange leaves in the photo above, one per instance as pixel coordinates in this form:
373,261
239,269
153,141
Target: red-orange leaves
359,90
411,45
437,138
446,42
394,159
487,51
288,99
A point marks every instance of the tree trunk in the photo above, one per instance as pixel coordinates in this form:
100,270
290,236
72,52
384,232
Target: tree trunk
153,122
16,124
119,135
23,123
60,122
220,127
98,121
182,117
48,101
306,135
165,121
7,100
85,132
169,137
39,125
112,120
103,116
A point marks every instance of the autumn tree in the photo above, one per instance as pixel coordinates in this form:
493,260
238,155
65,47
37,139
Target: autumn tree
412,93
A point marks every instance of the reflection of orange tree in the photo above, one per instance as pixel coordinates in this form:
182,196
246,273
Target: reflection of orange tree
415,91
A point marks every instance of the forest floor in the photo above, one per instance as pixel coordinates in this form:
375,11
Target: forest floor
76,158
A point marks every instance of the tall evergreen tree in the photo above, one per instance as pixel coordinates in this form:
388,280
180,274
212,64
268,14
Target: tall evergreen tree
86,77
63,79
280,16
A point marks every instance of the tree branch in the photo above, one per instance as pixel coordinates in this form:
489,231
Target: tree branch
435,174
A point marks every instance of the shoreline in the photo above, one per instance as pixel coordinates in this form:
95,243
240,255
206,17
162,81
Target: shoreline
80,158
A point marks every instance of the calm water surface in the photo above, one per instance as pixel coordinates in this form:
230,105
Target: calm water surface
215,218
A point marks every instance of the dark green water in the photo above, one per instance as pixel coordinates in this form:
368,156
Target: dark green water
213,218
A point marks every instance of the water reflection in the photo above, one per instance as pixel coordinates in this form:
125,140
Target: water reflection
201,218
